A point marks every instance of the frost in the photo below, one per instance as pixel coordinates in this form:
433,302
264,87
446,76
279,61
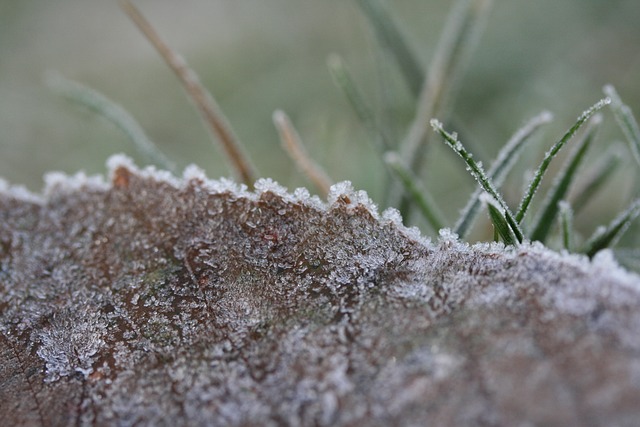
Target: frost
194,173
264,185
224,185
487,199
118,161
301,195
605,262
597,106
393,216
154,300
343,192
447,236
58,182
69,344
18,192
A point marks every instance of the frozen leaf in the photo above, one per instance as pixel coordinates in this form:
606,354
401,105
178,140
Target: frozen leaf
152,300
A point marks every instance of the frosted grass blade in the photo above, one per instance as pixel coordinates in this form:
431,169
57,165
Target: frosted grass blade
387,102
500,224
342,78
537,178
605,237
604,169
626,121
390,36
422,198
114,113
480,176
565,218
546,216
461,32
499,169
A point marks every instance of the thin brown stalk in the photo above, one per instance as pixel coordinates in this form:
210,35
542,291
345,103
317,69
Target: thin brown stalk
292,144
204,101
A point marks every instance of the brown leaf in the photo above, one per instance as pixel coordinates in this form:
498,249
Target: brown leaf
159,301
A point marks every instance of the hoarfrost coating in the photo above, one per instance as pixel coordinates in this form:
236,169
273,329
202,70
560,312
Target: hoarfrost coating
154,300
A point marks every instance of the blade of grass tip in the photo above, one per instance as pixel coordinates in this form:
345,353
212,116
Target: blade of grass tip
461,32
501,166
204,101
114,113
626,120
390,36
292,144
544,165
603,170
607,236
565,218
546,216
480,176
342,78
422,198
500,224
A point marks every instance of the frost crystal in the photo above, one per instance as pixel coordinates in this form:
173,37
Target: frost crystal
69,343
153,300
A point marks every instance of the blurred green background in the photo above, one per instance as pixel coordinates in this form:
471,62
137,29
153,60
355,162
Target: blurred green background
257,56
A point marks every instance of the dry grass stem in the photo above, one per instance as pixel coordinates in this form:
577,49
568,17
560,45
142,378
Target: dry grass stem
292,144
204,101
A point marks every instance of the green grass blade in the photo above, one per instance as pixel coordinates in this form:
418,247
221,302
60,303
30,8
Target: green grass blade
626,121
390,36
500,168
565,218
416,190
342,78
537,178
461,32
605,237
604,169
500,223
388,99
545,218
114,113
478,173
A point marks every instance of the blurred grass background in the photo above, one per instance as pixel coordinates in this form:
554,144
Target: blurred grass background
258,56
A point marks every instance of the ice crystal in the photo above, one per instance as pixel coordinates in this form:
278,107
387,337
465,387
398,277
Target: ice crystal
69,343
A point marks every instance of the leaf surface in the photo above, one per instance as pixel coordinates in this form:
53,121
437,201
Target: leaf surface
153,300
